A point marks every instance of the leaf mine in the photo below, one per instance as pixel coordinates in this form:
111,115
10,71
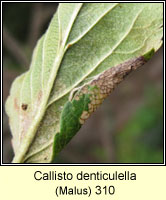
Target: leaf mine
105,83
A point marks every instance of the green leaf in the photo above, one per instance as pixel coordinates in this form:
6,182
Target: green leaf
86,51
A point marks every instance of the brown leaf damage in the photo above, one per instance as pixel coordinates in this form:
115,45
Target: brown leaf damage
105,83
16,106
28,116
24,106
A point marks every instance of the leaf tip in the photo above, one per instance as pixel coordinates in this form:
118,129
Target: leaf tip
149,54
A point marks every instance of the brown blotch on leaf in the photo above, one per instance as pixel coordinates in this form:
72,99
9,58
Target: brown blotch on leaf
69,45
106,83
24,106
39,97
16,104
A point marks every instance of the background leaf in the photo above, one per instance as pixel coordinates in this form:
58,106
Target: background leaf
81,42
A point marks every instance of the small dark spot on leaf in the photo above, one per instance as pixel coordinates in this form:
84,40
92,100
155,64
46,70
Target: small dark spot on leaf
24,106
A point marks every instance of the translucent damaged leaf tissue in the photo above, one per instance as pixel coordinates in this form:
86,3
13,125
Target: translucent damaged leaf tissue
86,51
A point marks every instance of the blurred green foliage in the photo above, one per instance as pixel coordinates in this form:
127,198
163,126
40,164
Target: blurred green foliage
140,141
16,18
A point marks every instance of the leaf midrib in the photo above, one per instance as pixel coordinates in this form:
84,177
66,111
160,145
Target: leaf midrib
102,60
33,128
